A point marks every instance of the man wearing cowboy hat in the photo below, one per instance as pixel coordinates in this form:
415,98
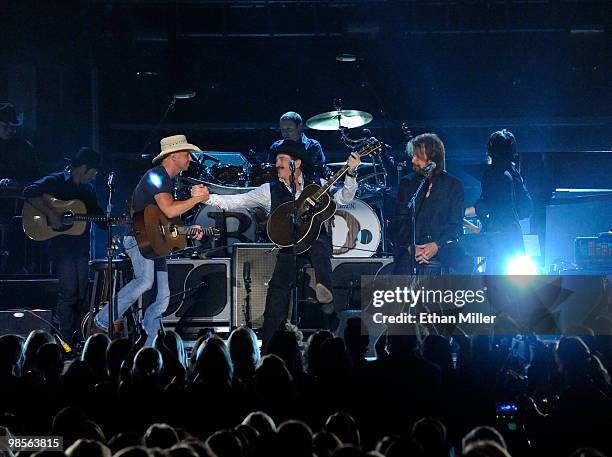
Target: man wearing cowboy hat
70,254
17,159
270,196
18,167
155,188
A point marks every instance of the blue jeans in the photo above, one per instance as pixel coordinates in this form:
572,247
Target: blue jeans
145,273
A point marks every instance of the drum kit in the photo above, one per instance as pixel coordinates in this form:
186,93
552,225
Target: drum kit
356,228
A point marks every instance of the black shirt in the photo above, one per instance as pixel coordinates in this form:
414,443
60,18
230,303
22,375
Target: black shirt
504,199
153,182
60,185
439,217
18,160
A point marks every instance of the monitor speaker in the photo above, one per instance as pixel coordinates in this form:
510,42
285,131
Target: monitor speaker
261,259
346,283
199,293
23,321
258,260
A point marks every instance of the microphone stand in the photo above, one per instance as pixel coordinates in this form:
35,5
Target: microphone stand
246,276
109,257
161,121
412,205
176,96
294,220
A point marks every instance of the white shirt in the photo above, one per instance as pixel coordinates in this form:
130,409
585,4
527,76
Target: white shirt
260,197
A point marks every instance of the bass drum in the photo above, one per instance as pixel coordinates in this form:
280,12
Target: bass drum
238,225
356,230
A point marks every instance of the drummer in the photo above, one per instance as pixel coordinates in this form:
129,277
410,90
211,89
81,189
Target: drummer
291,127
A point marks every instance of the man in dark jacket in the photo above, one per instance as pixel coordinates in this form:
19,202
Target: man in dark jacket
70,254
439,212
503,202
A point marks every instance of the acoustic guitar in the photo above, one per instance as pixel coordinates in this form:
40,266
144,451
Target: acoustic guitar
72,212
157,235
314,206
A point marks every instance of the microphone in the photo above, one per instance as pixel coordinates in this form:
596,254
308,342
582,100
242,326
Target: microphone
292,166
184,95
246,271
428,168
111,179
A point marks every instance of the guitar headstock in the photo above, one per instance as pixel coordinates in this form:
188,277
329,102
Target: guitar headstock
370,147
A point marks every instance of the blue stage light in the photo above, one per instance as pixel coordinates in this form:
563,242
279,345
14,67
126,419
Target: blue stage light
521,265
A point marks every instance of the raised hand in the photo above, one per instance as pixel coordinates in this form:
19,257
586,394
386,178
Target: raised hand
353,162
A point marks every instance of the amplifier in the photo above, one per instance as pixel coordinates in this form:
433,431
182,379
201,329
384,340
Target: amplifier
199,294
593,251
261,258
346,283
22,321
346,275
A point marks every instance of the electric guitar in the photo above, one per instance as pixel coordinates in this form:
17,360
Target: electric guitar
73,214
157,235
314,206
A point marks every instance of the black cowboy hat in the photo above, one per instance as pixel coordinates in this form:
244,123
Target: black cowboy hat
8,114
295,150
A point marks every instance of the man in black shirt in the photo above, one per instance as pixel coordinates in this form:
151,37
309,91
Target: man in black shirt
70,254
503,202
18,167
17,159
292,129
155,188
439,211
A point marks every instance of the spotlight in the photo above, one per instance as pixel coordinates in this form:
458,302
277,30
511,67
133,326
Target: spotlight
521,265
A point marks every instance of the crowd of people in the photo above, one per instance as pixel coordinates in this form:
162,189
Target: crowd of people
425,395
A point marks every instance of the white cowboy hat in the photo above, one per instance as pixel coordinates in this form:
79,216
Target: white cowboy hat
172,144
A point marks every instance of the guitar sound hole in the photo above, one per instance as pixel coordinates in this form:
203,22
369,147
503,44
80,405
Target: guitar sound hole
365,236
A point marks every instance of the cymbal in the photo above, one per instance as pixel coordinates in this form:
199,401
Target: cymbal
333,120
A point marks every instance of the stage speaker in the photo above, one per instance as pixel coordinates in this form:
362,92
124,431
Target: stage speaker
346,283
23,321
31,293
258,260
199,293
261,259
346,279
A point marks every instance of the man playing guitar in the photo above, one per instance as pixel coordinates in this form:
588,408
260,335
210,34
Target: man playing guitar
155,187
70,254
270,196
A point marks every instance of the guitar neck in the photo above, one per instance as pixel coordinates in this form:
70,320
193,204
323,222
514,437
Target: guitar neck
367,150
190,230
97,218
330,182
